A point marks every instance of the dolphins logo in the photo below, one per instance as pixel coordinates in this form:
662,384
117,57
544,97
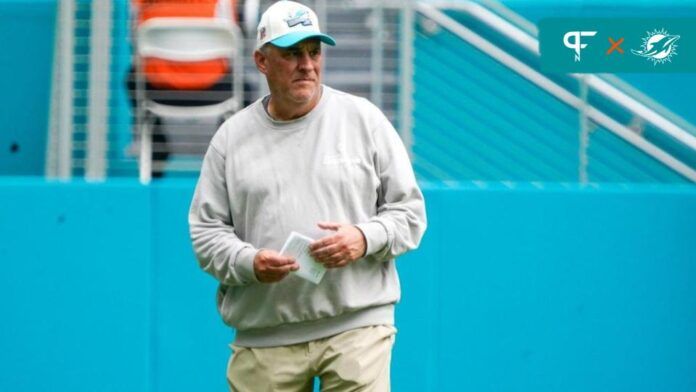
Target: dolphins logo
659,47
301,17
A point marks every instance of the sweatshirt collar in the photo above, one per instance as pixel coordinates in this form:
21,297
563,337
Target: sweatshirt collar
295,123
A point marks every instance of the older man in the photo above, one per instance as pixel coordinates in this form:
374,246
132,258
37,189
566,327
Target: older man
326,164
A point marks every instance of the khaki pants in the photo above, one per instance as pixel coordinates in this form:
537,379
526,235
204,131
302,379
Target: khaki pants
355,360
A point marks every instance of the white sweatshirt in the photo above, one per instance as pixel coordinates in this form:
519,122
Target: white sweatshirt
262,179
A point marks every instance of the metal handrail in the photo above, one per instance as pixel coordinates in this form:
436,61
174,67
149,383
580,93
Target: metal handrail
59,150
545,83
525,40
99,80
532,31
406,76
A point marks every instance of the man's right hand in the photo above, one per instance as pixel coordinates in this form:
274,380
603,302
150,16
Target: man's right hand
270,266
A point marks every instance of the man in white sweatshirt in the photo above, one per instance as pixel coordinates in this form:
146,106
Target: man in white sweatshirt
314,160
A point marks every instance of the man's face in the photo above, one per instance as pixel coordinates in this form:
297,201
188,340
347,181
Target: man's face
293,73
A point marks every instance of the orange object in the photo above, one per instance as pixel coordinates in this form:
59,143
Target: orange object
173,75
165,74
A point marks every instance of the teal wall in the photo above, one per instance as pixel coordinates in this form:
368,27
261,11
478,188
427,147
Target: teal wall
515,288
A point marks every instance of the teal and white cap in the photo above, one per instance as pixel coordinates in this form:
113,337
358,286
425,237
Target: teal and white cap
286,23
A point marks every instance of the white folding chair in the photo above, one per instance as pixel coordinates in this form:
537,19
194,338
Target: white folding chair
184,39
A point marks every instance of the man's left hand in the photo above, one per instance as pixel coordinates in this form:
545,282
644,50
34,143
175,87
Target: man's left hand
339,249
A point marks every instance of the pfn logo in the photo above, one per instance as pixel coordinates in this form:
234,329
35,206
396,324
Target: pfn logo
576,43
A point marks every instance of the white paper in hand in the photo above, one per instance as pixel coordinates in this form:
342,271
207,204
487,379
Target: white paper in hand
297,246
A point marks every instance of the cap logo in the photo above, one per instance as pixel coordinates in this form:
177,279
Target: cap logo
262,33
301,17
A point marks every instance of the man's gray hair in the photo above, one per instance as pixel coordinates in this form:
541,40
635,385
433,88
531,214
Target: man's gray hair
264,48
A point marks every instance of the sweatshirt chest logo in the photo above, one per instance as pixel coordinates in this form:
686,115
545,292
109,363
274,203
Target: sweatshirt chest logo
340,159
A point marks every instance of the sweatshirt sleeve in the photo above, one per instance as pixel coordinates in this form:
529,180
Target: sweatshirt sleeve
218,249
401,220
